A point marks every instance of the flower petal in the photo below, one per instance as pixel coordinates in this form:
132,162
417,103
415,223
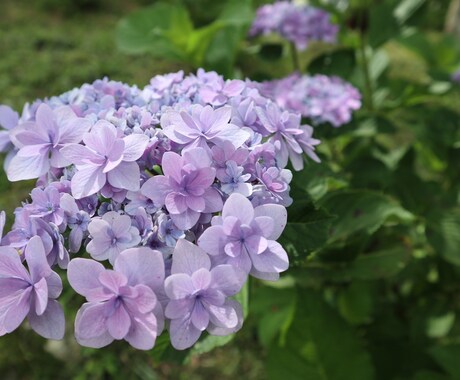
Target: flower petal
274,259
188,258
183,333
51,324
17,310
141,266
179,286
87,181
213,240
143,332
227,279
80,155
20,168
186,220
135,146
41,296
125,176
200,316
222,331
90,328
277,213
83,275
223,316
36,259
11,265
172,165
156,189
54,284
239,206
118,323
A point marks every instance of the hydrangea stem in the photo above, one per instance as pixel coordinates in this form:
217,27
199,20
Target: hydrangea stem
367,77
294,57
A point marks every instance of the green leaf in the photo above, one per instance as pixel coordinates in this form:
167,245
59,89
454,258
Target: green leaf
310,234
447,357
429,375
406,9
315,180
243,298
273,309
210,342
361,210
378,64
166,30
237,13
222,51
156,30
180,27
271,52
340,62
439,326
199,41
382,24
378,265
443,232
356,302
319,345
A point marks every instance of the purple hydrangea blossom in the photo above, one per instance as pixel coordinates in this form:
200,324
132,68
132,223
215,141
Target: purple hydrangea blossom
46,204
58,254
77,220
136,200
105,158
321,98
199,296
204,125
218,92
143,222
299,24
168,233
185,188
244,114
110,235
274,186
30,293
227,152
234,181
162,83
244,237
40,142
122,303
289,139
24,228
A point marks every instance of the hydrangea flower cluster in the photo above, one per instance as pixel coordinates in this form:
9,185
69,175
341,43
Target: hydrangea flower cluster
320,98
299,24
158,202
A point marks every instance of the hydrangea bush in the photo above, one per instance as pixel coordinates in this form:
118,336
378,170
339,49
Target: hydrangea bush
157,202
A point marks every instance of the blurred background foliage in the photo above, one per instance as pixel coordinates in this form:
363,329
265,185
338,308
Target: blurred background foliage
374,233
